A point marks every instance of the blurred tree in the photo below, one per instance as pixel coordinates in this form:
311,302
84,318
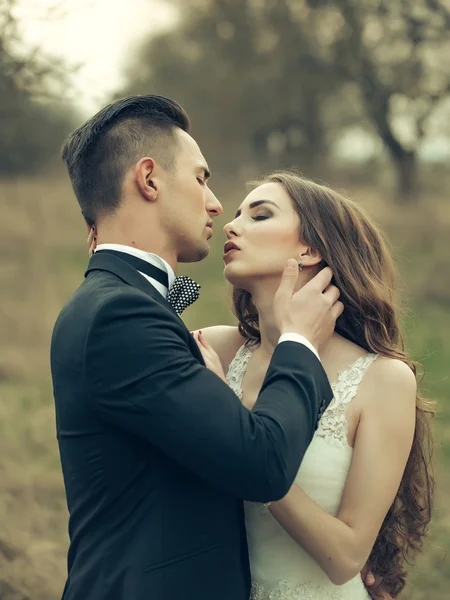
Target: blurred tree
250,75
277,82
397,54
33,120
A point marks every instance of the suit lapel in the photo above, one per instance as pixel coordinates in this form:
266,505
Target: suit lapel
128,274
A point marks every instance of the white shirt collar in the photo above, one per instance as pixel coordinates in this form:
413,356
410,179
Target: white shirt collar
153,259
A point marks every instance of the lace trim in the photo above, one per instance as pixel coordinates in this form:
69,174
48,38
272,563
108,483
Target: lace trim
237,368
333,425
285,591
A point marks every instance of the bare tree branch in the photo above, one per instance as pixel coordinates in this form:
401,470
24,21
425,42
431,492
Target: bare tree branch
30,70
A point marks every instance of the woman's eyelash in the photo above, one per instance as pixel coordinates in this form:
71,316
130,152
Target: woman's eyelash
260,217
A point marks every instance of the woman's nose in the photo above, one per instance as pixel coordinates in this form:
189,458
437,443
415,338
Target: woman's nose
230,229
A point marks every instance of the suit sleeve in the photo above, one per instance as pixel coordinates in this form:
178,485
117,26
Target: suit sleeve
142,377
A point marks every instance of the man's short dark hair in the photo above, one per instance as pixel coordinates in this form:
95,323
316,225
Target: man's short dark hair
99,153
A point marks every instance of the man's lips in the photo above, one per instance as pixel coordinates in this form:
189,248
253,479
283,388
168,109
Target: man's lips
230,247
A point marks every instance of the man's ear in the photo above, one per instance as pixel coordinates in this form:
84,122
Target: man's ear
309,257
90,225
146,179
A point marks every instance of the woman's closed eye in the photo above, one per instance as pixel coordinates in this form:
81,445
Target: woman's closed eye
260,217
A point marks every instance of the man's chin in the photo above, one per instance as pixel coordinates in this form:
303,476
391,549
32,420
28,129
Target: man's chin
196,255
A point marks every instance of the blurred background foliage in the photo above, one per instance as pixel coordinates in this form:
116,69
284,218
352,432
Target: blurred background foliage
352,93
33,120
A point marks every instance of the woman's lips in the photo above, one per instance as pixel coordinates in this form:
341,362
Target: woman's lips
230,246
229,252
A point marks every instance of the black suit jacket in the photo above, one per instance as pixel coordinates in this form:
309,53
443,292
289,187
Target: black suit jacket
157,452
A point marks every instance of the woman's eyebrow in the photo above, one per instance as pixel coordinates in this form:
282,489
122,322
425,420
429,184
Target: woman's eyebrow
255,204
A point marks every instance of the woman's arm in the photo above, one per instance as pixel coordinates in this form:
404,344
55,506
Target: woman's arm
342,544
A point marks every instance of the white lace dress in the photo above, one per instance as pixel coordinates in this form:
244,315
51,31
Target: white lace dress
281,569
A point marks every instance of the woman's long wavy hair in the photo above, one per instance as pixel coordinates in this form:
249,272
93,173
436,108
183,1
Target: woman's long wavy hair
354,248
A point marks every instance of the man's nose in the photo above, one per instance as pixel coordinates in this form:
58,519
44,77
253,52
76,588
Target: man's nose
213,206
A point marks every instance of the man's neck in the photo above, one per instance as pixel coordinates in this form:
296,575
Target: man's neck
131,228
133,243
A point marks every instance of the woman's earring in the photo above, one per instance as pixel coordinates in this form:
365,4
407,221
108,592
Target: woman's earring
300,266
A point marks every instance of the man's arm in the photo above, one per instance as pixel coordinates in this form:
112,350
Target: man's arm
142,378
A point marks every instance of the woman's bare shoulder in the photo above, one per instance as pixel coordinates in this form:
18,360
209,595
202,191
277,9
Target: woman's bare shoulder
393,373
225,340
389,388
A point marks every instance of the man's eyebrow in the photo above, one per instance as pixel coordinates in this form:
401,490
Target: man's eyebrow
255,204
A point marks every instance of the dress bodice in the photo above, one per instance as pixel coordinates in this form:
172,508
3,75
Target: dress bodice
281,569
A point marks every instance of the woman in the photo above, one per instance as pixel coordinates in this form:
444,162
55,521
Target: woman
363,491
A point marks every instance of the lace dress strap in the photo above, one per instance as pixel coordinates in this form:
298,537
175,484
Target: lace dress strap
237,368
333,424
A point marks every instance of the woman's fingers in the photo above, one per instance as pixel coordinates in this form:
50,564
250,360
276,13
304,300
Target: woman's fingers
200,339
205,342
200,344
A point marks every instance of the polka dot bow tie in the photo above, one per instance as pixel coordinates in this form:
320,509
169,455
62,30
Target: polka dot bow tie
183,293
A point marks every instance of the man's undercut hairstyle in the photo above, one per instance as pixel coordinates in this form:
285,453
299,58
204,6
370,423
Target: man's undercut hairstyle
100,152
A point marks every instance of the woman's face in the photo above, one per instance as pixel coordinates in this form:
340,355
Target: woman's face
265,232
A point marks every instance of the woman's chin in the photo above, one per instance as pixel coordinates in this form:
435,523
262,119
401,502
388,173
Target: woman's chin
236,277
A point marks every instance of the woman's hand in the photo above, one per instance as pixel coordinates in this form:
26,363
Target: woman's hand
211,358
374,585
92,241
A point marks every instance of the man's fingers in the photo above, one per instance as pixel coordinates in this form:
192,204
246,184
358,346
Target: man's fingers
337,310
322,279
333,293
288,279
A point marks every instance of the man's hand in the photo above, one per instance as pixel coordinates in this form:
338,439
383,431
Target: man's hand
373,584
310,312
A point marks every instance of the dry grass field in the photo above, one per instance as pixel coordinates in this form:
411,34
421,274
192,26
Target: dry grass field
42,258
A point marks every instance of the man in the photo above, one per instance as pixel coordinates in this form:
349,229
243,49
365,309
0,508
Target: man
157,452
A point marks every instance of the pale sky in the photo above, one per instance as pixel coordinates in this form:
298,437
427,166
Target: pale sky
102,35
99,34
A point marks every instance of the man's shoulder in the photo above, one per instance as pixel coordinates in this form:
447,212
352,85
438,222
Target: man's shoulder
105,294
94,292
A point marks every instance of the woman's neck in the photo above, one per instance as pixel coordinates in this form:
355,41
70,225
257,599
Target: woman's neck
268,330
